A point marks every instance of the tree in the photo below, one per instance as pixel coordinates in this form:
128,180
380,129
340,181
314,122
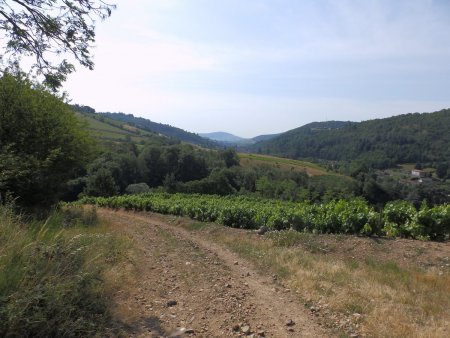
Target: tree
42,143
191,167
230,157
442,169
151,166
42,28
101,183
137,188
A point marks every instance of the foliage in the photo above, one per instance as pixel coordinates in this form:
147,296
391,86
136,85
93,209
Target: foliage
381,143
400,220
42,144
353,216
101,183
230,157
442,170
156,166
137,188
51,276
51,27
216,183
338,216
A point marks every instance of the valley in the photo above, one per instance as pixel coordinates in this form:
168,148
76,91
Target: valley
224,169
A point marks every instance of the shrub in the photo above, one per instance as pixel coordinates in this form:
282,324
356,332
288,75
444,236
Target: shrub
400,219
137,188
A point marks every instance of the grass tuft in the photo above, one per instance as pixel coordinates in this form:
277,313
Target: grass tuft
51,275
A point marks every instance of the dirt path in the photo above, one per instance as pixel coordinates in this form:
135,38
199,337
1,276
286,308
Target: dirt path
188,286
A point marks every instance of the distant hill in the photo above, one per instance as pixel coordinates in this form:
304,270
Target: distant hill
380,143
223,137
228,139
264,137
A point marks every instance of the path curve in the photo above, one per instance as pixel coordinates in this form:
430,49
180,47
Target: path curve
216,291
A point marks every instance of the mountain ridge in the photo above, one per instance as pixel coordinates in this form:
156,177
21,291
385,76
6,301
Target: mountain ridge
378,143
231,139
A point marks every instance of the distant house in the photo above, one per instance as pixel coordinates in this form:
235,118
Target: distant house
416,173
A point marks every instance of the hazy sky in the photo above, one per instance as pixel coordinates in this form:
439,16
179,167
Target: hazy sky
253,67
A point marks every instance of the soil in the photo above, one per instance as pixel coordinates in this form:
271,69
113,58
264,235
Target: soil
187,286
427,255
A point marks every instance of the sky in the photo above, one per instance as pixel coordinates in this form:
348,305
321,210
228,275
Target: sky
253,67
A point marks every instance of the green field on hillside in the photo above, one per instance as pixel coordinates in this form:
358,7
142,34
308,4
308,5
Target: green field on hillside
110,130
249,160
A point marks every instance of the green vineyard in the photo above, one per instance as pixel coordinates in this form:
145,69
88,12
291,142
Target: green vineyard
356,216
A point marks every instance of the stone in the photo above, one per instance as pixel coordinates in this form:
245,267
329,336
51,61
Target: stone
245,329
171,303
181,332
262,230
290,322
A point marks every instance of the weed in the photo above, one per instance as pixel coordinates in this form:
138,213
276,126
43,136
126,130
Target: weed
286,238
51,282
352,264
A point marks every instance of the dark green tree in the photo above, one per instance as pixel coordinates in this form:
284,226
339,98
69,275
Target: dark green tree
191,167
42,143
137,188
42,28
151,166
230,157
441,170
101,183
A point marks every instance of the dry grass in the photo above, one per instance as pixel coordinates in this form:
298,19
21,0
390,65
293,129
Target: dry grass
52,274
363,295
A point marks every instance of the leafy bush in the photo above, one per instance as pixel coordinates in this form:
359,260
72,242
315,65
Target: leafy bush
400,219
353,216
435,221
137,188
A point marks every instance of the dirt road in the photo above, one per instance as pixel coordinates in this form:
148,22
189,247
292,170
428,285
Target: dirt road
188,286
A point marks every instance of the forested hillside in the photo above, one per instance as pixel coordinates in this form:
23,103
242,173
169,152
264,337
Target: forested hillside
163,129
380,143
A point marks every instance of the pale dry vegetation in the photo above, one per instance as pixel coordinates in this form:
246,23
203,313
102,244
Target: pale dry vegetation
352,285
